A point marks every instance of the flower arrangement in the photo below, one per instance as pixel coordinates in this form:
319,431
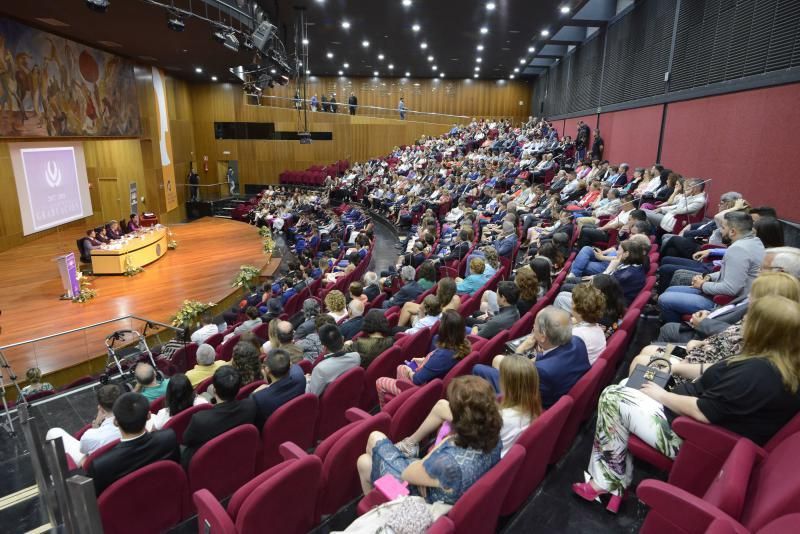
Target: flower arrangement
130,268
189,311
86,292
247,273
266,236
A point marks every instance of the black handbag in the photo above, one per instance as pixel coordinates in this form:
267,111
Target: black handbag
649,373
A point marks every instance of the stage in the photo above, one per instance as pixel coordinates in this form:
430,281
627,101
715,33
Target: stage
209,254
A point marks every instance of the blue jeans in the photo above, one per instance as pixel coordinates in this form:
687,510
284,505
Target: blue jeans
680,300
585,264
489,373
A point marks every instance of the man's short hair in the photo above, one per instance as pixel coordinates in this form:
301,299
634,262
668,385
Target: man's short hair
130,412
509,291
408,273
208,317
643,227
331,338
107,395
740,221
786,259
508,227
252,312
227,382
639,215
370,278
285,332
144,373
278,362
206,354
730,196
555,324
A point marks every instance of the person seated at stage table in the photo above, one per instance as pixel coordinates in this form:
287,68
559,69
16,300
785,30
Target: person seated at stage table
286,381
137,447
148,383
35,384
207,364
134,223
180,396
228,413
103,429
114,231
100,235
90,243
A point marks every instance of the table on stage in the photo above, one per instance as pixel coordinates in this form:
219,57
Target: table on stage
143,248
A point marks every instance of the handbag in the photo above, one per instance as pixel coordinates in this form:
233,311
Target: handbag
649,373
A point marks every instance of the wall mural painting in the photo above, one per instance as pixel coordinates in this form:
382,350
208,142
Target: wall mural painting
50,86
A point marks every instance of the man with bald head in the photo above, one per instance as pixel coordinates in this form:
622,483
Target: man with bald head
561,358
148,383
353,325
286,335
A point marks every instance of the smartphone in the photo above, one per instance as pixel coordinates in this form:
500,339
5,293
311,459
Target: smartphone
412,364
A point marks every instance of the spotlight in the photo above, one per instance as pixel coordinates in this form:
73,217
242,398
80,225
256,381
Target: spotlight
98,5
198,70
175,21
305,41
408,74
423,45
365,43
341,73
330,55
390,66
490,6
415,27
565,10
545,33
480,48
484,30
213,78
227,39
345,25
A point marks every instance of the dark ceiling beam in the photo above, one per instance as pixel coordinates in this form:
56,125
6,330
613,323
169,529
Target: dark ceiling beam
564,41
550,56
586,23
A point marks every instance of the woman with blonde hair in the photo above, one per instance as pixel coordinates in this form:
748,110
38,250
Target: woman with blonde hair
753,394
336,305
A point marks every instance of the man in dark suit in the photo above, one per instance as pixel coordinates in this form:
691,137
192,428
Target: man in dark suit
504,245
459,248
561,358
353,325
507,297
227,414
287,381
410,290
353,103
137,448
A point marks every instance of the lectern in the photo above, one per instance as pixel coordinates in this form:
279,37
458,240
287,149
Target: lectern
68,270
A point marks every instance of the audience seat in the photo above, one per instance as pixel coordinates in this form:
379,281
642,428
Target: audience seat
203,386
226,462
247,390
154,498
280,500
225,350
179,422
384,365
492,348
407,410
215,339
415,345
295,421
341,394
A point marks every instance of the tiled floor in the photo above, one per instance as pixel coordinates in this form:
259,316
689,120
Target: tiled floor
552,509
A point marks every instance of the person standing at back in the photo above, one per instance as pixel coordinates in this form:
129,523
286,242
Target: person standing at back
401,107
353,103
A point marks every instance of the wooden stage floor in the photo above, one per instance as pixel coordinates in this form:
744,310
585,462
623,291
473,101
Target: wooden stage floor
209,254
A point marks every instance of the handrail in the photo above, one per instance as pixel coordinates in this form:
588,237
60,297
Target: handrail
80,328
345,106
204,185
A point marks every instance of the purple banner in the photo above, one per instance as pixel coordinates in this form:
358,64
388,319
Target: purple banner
72,273
54,194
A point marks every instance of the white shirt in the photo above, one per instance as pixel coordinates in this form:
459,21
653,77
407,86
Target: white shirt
204,333
514,423
160,419
94,438
593,337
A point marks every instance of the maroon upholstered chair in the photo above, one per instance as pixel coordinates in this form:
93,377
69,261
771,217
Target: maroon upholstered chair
409,414
98,452
341,394
226,462
613,354
180,421
582,393
384,365
630,319
191,356
463,367
418,344
247,390
225,351
261,331
203,386
154,498
281,499
215,339
294,421
752,488
492,348
538,439
157,404
443,525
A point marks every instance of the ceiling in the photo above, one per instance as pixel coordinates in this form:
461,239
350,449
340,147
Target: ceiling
449,28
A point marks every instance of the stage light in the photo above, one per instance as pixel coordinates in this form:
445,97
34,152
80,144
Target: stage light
391,67
305,41
490,6
475,75
365,43
375,73
545,33
175,21
522,61
345,25
213,78
480,48
423,45
434,67
346,65
227,39
478,60
380,57
430,58
531,49
415,27
408,74
441,75
198,70
341,73
330,55
516,69
565,10
511,77
477,69
484,30
407,3
101,6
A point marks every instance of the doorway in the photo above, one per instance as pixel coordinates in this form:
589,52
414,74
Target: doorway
110,199
222,173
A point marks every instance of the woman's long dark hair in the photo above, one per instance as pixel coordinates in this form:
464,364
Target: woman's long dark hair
179,395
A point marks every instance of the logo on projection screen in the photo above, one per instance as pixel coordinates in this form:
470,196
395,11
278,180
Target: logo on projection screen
54,194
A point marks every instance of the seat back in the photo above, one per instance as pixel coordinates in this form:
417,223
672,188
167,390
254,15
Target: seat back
409,415
215,339
159,488
492,348
190,357
225,351
248,390
613,354
203,386
97,453
538,439
157,404
478,509
582,393
179,422
463,367
418,344
294,421
341,394
774,488
384,365
727,491
261,331
226,462
789,429
211,516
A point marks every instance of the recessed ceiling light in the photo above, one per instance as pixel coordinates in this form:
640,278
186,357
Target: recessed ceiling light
565,10
305,41
330,55
390,66
380,57
408,74
272,71
522,61
341,73
480,48
423,45
430,58
475,75
545,33
365,43
490,6
415,27
512,76
198,70
406,3
516,69
434,67
478,60
531,49
345,25
308,71
484,30
213,78
477,68
346,65
441,75
375,73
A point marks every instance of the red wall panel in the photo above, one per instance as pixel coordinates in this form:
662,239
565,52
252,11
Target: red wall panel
631,136
742,141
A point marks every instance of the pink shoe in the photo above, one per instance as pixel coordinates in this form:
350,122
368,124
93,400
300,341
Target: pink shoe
587,492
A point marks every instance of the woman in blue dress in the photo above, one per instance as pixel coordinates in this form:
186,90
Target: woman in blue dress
451,467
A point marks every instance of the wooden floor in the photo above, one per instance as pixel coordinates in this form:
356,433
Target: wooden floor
209,254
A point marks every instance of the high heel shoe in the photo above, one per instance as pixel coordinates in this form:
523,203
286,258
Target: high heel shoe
587,492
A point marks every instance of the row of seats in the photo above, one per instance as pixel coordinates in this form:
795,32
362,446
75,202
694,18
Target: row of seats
314,175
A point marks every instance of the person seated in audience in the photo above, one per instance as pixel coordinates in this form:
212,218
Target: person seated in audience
371,283
206,365
137,447
310,311
208,329
226,414
739,266
376,337
356,292
507,314
352,326
148,382
589,234
338,361
753,394
727,342
35,384
253,320
588,308
472,447
560,358
451,347
133,223
707,323
286,381
506,241
102,432
679,203
246,360
692,236
410,290
283,336
445,295
180,396
519,401
311,345
591,260
336,305
475,280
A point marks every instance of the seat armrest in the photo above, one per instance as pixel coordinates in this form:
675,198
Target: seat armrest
403,384
290,451
370,501
714,439
356,414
